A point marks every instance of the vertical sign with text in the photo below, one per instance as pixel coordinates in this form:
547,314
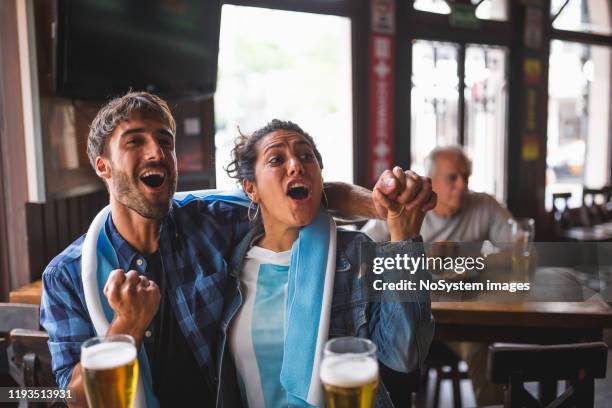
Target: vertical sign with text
381,73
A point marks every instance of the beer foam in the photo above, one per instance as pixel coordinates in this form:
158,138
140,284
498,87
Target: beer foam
109,355
341,371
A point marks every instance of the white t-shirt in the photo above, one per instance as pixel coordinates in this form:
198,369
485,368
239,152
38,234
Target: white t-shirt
257,343
480,219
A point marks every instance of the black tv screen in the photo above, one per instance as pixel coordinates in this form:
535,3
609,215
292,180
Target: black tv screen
103,48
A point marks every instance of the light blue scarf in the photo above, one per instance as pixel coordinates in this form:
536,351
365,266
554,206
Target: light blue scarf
99,259
309,298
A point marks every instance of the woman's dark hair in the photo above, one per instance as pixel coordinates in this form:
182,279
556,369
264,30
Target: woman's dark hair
244,153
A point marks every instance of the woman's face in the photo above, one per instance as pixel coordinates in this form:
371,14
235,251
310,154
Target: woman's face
288,183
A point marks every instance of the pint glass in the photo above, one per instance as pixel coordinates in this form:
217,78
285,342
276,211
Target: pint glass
522,231
110,371
349,373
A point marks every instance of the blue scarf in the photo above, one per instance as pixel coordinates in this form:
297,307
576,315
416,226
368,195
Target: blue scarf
309,298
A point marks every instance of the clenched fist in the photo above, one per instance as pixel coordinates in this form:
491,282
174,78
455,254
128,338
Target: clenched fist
133,297
403,197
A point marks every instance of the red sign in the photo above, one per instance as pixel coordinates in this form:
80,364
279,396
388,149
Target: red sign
382,63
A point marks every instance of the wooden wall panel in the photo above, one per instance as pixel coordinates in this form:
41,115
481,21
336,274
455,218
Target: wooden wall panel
54,225
36,241
12,151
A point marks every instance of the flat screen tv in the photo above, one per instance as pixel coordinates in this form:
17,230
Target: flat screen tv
103,48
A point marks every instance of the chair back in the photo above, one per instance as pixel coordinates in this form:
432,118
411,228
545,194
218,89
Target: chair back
579,364
15,315
562,217
591,212
30,359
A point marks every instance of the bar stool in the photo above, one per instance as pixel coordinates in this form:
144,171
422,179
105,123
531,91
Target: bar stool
446,364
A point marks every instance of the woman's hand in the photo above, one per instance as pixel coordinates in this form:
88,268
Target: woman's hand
406,205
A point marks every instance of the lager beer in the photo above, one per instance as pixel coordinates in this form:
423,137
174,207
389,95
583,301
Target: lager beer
110,371
349,373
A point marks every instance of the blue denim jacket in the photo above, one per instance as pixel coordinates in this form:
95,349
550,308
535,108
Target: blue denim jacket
402,331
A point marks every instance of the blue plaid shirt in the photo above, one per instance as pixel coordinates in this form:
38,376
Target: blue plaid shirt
195,240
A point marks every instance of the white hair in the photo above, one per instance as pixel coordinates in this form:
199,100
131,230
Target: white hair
432,157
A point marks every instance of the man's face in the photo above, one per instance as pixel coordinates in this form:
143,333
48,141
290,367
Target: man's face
142,161
450,182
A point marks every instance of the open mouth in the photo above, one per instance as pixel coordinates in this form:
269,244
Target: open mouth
298,192
153,178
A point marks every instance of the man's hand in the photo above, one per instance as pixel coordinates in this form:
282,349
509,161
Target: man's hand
135,300
404,197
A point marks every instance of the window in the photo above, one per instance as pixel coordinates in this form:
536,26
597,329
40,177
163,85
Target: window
433,6
491,9
485,9
578,119
436,108
581,15
435,100
579,99
273,64
485,117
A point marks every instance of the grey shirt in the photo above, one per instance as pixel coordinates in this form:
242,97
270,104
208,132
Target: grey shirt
480,219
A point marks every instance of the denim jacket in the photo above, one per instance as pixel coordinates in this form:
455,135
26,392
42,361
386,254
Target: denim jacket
402,331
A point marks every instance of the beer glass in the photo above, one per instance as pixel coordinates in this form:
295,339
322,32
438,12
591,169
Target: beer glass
522,231
110,371
349,373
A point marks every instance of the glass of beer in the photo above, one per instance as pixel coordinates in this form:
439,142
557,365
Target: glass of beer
522,232
110,371
349,373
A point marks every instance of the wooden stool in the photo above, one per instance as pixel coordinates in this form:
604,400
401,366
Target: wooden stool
446,364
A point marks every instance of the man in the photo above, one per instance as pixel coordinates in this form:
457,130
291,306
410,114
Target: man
460,215
170,300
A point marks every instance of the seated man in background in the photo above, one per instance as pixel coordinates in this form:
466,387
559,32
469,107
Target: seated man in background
460,215
168,259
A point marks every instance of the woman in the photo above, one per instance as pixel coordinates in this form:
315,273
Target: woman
280,305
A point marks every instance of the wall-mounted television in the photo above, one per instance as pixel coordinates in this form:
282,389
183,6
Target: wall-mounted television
103,48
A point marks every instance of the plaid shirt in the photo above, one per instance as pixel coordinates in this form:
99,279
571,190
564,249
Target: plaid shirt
195,240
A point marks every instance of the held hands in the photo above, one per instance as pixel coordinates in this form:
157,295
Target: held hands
403,198
133,297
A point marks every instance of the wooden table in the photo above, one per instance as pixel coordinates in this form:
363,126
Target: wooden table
486,321
522,322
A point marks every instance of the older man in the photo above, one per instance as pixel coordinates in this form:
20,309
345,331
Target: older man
461,215
170,300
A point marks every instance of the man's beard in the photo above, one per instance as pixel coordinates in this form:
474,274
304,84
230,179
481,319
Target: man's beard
128,194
